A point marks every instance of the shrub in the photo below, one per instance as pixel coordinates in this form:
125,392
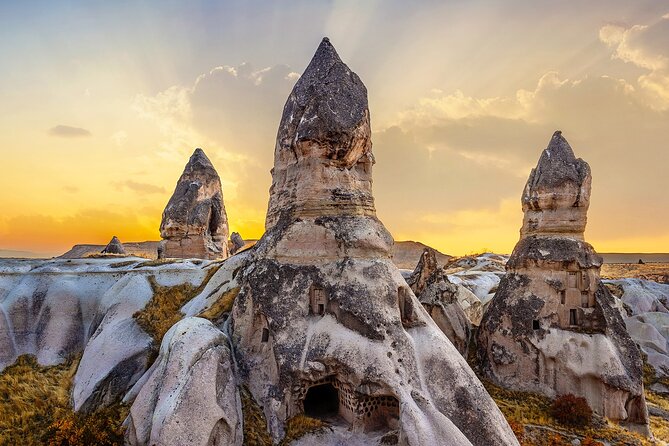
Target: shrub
101,428
571,410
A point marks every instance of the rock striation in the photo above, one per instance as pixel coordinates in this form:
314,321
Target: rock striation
194,223
114,247
552,326
324,324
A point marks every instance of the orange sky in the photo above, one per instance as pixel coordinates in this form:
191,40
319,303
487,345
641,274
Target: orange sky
101,106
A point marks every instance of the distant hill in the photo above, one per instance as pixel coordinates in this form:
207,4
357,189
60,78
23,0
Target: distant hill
630,257
407,253
148,250
13,254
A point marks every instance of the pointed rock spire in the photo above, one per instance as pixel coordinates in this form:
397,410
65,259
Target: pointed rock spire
194,223
114,247
557,193
323,158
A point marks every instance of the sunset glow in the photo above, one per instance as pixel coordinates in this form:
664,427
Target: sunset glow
102,104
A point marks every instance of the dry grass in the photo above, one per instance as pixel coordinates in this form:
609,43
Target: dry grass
255,425
650,271
221,306
299,426
163,310
159,262
532,412
35,410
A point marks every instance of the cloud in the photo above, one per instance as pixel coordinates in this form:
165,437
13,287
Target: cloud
647,47
66,131
120,137
140,188
452,160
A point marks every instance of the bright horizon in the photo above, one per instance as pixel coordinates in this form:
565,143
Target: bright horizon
101,105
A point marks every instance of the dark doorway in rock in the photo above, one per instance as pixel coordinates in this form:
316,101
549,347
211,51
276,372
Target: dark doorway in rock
322,401
535,325
572,317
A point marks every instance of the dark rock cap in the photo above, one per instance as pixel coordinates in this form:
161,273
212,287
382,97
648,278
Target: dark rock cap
114,247
327,105
558,165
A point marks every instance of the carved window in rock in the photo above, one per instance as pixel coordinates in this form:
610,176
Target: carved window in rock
264,330
535,325
572,281
563,296
318,301
406,305
573,318
585,299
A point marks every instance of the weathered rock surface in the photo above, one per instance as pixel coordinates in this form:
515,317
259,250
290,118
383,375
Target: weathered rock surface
552,326
453,307
114,247
194,223
643,296
237,242
324,318
189,396
57,309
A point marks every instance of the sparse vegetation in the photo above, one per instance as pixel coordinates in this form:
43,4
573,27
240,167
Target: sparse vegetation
571,410
221,306
300,425
255,424
532,412
35,410
163,310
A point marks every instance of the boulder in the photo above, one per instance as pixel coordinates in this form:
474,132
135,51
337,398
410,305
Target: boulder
324,323
552,327
189,397
194,223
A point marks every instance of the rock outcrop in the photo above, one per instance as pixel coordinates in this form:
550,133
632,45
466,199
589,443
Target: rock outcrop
114,247
452,307
194,223
236,242
324,323
190,395
552,326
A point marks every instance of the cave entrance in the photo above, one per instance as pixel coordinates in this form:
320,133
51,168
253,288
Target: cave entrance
322,401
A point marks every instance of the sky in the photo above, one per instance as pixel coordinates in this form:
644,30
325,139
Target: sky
102,103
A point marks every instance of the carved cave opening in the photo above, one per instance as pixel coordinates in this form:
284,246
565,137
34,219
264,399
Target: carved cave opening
322,401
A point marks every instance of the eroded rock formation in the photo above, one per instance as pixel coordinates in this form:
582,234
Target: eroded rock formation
453,307
324,323
114,247
194,223
552,326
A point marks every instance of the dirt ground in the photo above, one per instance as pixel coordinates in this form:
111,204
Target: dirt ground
659,272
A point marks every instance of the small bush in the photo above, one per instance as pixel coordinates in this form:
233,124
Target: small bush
571,410
101,428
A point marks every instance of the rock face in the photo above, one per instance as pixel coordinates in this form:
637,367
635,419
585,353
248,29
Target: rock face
114,247
194,223
451,306
324,323
236,242
551,326
189,396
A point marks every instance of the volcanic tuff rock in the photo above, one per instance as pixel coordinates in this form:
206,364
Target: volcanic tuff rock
114,247
451,306
236,242
194,223
552,326
190,395
324,323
